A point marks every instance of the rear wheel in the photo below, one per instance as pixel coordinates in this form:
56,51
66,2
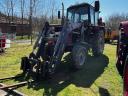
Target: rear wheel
98,43
79,56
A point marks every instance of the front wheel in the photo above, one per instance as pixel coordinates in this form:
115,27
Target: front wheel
79,56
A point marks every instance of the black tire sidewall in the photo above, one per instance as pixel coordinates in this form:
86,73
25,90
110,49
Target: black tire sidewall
76,50
96,49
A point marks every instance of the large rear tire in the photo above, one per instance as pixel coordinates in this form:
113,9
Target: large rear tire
79,56
98,43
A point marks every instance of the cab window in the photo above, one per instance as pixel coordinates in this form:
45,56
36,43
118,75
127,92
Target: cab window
92,15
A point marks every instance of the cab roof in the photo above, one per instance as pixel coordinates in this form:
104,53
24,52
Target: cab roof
79,5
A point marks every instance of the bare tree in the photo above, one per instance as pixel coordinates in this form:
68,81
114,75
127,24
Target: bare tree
115,19
12,5
52,9
7,10
8,6
22,6
33,5
22,3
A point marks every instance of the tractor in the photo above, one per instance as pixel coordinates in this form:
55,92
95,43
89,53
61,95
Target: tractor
122,54
81,31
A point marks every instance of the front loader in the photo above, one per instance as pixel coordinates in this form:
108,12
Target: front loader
80,32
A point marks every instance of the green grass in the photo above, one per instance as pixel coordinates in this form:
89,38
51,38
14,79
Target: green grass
22,38
25,37
9,61
98,77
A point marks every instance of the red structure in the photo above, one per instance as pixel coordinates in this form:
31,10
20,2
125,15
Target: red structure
122,54
2,42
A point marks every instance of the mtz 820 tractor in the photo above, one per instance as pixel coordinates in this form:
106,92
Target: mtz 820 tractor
79,32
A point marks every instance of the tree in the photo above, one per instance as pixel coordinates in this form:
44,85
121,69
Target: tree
22,6
22,3
114,20
33,5
12,5
8,9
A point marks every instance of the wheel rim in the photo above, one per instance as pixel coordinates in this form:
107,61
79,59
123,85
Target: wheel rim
81,57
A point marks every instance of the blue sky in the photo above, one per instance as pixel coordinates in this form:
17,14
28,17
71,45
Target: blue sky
108,7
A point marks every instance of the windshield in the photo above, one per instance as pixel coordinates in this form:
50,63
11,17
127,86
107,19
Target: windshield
78,14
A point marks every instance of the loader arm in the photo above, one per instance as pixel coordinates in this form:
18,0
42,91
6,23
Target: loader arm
38,47
61,43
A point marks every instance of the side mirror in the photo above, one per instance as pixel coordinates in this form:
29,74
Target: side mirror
97,6
59,15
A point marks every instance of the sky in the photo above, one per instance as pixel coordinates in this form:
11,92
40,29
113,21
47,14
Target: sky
108,7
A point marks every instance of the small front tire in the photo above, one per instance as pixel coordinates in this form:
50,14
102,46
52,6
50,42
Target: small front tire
79,56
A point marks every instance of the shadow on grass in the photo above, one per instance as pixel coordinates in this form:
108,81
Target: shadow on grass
65,76
103,92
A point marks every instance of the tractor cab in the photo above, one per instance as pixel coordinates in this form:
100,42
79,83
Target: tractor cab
82,12
77,14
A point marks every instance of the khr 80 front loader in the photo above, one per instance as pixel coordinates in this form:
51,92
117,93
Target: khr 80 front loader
80,31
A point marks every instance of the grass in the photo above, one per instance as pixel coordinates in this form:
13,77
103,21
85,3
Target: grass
22,38
99,76
25,37
9,62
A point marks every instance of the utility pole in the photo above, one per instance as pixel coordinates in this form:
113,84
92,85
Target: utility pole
30,20
12,6
53,7
22,13
62,22
22,10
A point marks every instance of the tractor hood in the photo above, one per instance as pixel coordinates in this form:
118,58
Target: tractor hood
57,27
